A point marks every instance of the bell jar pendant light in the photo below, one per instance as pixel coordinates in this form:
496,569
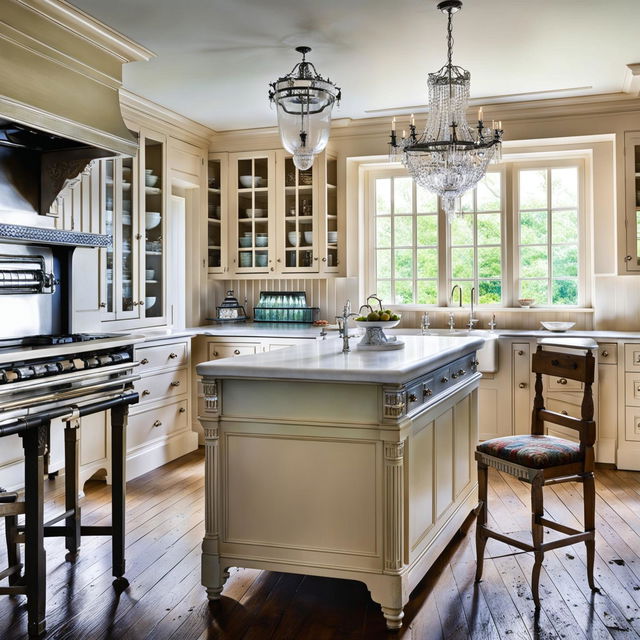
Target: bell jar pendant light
304,100
449,157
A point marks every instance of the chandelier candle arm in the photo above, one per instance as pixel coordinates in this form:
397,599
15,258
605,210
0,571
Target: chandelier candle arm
449,157
304,101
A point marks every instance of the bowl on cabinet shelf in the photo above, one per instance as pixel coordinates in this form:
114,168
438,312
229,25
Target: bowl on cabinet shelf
149,301
245,241
294,238
149,274
308,237
245,259
261,259
332,237
250,181
262,240
150,180
152,219
255,213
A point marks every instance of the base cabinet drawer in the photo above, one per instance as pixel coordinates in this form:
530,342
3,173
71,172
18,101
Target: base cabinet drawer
156,423
567,409
229,350
632,357
607,353
160,386
162,356
632,424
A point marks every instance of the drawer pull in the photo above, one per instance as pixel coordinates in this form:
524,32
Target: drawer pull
175,383
173,356
144,361
520,352
564,413
427,392
157,423
412,397
236,352
561,381
146,392
182,410
605,354
444,379
215,354
522,385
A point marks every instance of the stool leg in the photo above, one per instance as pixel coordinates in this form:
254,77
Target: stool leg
481,536
119,416
537,532
590,524
71,485
13,551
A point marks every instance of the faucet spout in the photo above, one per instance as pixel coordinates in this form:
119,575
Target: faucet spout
453,290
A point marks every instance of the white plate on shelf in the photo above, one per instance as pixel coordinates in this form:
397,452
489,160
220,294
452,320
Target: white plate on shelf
152,191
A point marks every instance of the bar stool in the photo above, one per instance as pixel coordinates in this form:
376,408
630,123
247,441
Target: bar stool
543,460
10,509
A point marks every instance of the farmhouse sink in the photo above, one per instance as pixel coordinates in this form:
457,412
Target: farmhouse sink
487,355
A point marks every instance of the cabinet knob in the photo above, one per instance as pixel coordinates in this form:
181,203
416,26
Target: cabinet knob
175,383
561,381
215,354
102,305
522,385
141,303
520,352
236,352
144,361
324,259
173,356
138,236
315,257
135,303
182,410
412,397
157,423
564,413
628,258
273,268
605,354
146,392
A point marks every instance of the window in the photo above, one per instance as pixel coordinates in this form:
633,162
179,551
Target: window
521,235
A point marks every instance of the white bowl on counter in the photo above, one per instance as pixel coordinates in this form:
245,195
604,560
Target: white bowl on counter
557,327
250,181
152,219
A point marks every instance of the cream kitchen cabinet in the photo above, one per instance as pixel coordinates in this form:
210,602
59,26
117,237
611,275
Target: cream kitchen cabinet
632,201
160,424
217,219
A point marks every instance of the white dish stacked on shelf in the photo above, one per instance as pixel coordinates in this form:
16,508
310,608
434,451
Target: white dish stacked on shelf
152,219
255,213
332,237
294,238
247,182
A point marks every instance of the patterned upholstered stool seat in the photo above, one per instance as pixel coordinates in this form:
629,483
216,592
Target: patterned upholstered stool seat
536,452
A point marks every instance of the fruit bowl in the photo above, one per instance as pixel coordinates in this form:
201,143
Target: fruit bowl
557,327
381,324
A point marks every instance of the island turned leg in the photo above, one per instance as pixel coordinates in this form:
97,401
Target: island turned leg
213,575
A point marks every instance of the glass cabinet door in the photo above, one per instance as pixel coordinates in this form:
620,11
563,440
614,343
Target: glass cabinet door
108,209
253,214
214,216
126,269
299,230
153,221
331,257
632,180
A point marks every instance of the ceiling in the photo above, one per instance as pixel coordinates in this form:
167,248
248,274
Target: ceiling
215,58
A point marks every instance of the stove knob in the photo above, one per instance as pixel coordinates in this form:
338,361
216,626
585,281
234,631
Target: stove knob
92,362
444,379
10,375
461,372
66,365
24,373
412,397
39,370
105,359
53,367
78,363
427,392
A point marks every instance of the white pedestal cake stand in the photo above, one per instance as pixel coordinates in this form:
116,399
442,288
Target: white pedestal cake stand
374,338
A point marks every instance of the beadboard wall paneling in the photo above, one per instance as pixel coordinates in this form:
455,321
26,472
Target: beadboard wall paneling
328,294
617,303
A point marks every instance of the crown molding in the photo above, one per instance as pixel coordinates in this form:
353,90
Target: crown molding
87,27
142,110
528,110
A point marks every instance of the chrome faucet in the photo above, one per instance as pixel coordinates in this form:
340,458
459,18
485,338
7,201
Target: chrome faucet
453,290
426,323
346,314
472,319
452,321
492,324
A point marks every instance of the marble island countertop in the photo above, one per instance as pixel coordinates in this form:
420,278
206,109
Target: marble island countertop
323,360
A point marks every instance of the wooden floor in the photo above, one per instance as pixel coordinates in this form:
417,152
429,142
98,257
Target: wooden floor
165,600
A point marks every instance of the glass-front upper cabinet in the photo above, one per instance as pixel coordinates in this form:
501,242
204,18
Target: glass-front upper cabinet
332,241
153,221
217,213
251,209
298,234
120,284
632,209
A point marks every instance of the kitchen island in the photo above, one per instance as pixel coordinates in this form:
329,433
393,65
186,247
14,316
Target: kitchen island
353,465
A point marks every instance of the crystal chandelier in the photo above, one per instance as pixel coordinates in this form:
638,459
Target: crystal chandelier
449,157
304,100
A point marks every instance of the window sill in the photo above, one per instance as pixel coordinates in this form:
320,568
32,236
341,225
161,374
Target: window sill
467,308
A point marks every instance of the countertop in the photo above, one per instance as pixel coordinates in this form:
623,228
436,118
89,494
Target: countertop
323,360
274,330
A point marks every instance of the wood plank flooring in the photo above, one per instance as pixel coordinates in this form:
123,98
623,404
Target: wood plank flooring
165,511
